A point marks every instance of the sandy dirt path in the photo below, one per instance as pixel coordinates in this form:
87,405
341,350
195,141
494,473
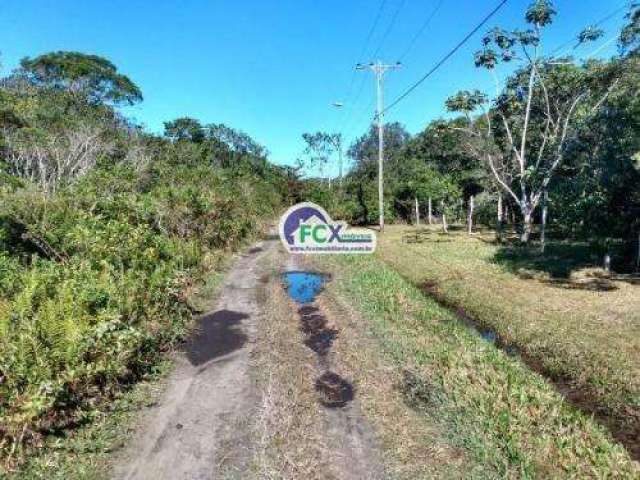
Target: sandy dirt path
199,431
206,426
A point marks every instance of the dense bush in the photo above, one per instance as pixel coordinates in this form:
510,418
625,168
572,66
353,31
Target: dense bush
94,279
105,231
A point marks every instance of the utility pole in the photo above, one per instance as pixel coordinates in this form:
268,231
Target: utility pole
340,160
379,69
338,146
337,143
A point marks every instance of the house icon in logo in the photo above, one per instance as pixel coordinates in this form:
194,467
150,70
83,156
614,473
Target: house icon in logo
308,228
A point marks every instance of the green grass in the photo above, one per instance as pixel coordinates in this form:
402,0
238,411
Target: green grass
508,417
88,451
576,327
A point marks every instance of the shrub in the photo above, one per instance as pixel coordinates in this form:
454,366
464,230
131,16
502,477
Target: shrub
94,279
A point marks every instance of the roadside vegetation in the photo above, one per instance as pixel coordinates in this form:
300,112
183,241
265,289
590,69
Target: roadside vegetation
496,409
556,143
105,233
525,206
413,445
570,321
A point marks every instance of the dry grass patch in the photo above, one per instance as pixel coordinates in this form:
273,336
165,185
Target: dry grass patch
576,325
291,443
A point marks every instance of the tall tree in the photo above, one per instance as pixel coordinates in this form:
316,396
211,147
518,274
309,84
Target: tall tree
319,147
630,36
92,75
364,150
184,128
526,134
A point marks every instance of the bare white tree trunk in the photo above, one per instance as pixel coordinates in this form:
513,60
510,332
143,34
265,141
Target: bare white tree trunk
58,158
417,213
430,212
470,216
527,223
445,228
543,228
522,158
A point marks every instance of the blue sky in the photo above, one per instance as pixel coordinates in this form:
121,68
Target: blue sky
273,68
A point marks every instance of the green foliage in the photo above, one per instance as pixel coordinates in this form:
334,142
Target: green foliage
95,274
589,172
120,296
466,102
319,147
93,75
630,36
184,128
496,408
590,34
540,13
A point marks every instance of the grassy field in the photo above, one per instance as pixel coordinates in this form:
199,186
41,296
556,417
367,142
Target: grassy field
493,406
565,319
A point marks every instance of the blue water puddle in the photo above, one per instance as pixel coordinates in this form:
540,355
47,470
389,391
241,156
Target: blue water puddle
303,287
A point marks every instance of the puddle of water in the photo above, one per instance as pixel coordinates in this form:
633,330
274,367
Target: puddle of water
303,287
489,335
334,391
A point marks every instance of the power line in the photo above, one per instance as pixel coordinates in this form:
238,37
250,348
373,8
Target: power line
389,28
601,47
360,58
385,35
421,30
363,112
602,21
446,57
373,28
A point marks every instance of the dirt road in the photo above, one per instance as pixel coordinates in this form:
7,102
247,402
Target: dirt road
208,424
209,395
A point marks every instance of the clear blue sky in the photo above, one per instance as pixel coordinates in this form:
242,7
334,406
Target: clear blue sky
273,67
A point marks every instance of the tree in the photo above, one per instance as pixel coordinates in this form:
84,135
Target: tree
364,150
441,146
92,75
49,160
237,141
532,124
184,128
424,183
320,146
233,148
629,41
